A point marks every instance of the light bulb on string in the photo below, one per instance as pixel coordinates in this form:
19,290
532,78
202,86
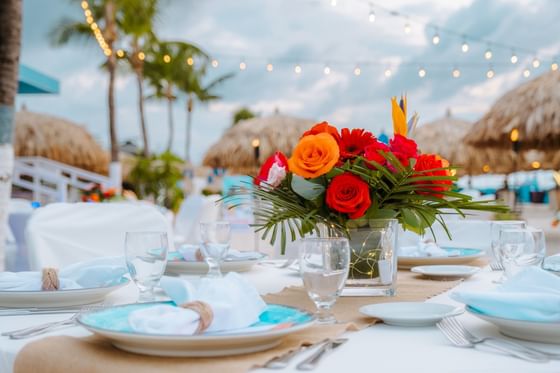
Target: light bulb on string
87,13
297,69
327,70
357,71
242,66
436,39
407,27
488,54
526,73
190,61
554,66
120,53
490,73
536,63
215,63
421,72
333,2
141,56
269,67
456,73
464,46
388,73
513,58
371,16
85,5
167,58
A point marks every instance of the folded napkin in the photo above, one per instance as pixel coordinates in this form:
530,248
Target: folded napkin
426,248
531,295
233,301
192,253
552,263
88,274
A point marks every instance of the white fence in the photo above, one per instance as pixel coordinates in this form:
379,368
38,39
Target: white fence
52,181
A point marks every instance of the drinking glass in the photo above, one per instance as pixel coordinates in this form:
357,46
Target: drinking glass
215,244
516,249
324,265
496,227
146,258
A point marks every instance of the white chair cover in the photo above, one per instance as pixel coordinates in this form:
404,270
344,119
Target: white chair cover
65,233
193,210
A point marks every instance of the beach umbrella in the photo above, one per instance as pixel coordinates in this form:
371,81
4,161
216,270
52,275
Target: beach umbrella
41,135
444,136
244,146
529,114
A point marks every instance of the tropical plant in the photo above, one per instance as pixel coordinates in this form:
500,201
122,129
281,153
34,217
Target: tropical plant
135,21
158,178
343,180
164,62
103,17
189,81
243,113
10,45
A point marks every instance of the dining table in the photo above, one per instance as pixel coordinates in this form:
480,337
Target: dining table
377,348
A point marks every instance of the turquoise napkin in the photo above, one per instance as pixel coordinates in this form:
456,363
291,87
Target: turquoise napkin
531,295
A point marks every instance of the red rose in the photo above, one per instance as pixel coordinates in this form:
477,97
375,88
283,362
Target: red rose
274,170
426,162
323,127
353,142
372,153
349,194
404,149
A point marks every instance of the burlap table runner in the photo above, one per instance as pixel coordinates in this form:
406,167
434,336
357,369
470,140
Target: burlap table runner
93,354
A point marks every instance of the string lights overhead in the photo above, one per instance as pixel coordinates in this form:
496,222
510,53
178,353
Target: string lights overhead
95,29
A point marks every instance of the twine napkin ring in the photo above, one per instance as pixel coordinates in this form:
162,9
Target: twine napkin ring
49,280
204,311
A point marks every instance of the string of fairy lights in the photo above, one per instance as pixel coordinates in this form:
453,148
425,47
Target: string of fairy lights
438,33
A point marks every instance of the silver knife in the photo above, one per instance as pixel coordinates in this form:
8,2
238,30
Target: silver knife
312,361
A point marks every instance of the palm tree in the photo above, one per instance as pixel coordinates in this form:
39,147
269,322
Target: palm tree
10,44
164,62
135,21
104,14
190,83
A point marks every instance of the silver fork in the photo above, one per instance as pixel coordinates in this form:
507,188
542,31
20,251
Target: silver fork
285,264
47,327
459,336
495,266
283,361
312,361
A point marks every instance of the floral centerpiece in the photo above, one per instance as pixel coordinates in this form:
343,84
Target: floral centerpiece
342,180
97,193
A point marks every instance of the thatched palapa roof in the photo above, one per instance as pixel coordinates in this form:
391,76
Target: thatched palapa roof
235,152
444,136
533,109
58,139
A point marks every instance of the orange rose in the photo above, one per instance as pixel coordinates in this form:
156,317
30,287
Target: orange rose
315,155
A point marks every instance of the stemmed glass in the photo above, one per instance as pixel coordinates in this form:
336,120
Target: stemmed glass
215,244
513,244
146,258
324,264
496,228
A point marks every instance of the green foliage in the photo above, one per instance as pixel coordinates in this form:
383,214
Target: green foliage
243,113
157,177
404,194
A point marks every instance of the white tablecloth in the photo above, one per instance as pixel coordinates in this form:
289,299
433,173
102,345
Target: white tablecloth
380,348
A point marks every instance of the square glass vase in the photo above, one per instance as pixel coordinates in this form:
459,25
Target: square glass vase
373,259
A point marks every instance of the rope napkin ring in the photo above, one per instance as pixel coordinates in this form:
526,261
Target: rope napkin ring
204,311
50,279
198,255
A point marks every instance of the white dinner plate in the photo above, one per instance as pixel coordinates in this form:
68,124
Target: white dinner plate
410,313
527,330
278,321
456,256
446,272
58,298
200,268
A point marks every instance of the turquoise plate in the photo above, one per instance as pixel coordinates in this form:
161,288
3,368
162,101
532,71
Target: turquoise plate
112,324
457,255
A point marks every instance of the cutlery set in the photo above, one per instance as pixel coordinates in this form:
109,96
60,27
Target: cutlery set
456,333
326,347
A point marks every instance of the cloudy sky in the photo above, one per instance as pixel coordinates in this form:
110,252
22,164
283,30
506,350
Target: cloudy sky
313,34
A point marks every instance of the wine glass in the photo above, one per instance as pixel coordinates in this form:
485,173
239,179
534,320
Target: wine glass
324,264
215,244
146,258
514,243
496,227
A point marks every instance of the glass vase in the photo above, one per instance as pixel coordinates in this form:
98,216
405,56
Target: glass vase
373,259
